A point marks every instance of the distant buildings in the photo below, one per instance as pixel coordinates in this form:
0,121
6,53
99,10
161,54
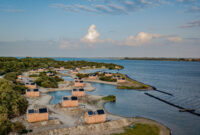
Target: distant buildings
31,85
74,71
79,83
121,80
32,93
78,92
93,76
19,78
50,74
92,117
41,70
108,74
62,68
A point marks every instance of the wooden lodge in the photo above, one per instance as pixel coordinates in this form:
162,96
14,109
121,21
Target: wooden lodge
121,80
74,71
31,85
78,92
93,76
62,68
33,71
50,74
41,69
108,74
92,117
79,83
32,93
35,115
69,101
19,78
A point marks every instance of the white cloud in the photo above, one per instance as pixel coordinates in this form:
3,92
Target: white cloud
140,38
175,39
92,36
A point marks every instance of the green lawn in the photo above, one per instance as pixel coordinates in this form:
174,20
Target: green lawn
140,129
110,98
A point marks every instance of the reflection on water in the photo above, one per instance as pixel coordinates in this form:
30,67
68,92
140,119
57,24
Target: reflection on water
182,79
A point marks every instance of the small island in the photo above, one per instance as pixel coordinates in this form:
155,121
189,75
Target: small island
25,100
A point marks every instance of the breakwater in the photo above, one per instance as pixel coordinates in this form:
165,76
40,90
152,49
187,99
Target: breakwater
169,103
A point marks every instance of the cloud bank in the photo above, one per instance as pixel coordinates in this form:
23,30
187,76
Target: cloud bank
140,38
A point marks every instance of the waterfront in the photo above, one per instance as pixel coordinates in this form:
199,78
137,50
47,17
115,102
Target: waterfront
179,78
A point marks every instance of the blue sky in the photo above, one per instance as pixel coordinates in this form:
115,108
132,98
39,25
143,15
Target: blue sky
100,28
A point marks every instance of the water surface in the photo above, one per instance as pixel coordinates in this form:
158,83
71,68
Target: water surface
182,79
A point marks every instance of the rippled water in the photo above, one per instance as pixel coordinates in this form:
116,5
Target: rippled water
182,79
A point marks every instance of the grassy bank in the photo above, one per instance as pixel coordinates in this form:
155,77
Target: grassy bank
140,129
109,98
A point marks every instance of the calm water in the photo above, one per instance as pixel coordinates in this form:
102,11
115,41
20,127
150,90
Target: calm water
182,79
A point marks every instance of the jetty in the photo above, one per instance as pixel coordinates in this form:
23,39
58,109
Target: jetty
192,111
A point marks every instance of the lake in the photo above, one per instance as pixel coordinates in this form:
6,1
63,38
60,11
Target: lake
182,79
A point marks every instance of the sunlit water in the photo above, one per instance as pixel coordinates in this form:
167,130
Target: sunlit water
182,79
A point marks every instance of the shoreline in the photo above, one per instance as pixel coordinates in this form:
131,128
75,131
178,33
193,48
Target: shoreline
60,122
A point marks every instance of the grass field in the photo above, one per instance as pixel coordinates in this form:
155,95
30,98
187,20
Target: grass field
140,129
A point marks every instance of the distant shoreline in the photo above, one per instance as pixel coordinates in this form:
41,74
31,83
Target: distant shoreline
121,58
160,59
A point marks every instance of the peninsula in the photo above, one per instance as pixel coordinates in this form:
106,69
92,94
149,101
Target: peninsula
25,100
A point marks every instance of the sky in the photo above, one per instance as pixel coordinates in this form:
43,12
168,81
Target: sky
100,28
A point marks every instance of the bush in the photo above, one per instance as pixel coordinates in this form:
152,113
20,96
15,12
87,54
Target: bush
79,75
11,100
49,84
12,76
17,127
34,75
20,88
2,72
47,81
5,126
107,78
110,98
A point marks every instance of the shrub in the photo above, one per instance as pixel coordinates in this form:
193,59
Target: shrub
79,75
12,76
107,78
5,126
34,75
110,98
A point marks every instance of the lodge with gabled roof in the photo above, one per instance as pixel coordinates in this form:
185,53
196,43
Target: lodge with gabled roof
35,115
31,85
32,93
92,117
79,83
69,101
78,92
